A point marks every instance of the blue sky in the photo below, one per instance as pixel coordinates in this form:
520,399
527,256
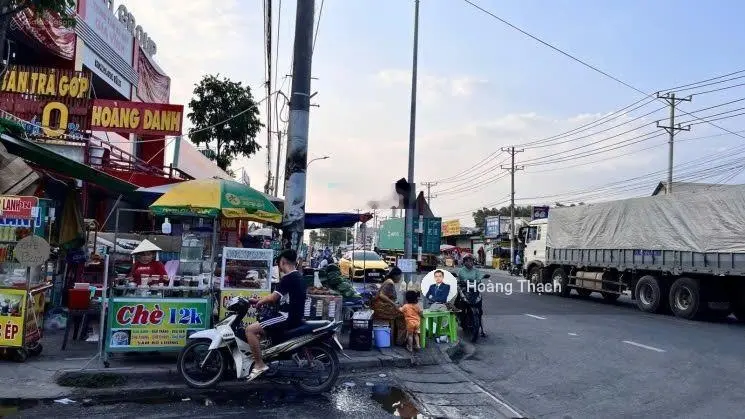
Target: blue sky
482,85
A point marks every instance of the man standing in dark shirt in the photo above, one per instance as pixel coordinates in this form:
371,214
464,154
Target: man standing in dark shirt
290,295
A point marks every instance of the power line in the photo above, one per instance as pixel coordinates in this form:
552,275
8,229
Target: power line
318,25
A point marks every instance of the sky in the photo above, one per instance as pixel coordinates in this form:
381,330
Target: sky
482,86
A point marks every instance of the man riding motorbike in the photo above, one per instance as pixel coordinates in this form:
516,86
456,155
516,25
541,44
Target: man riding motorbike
472,277
290,295
468,272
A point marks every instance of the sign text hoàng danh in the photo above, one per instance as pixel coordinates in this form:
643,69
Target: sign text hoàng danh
137,117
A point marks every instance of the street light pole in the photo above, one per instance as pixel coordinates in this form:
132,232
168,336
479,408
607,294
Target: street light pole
409,210
317,158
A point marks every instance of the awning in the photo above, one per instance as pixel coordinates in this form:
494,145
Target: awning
334,220
58,163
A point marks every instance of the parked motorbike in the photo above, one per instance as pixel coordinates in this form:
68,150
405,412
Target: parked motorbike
305,357
468,301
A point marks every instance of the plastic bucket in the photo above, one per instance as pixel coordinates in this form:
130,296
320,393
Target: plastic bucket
382,336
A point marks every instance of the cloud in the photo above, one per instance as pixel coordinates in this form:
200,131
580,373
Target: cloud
431,88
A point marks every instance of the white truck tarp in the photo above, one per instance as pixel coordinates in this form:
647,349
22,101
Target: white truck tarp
709,221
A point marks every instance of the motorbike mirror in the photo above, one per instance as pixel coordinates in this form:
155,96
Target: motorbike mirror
487,276
454,274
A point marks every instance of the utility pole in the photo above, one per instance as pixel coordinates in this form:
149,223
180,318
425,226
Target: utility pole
512,169
268,29
279,156
429,185
409,210
671,130
293,221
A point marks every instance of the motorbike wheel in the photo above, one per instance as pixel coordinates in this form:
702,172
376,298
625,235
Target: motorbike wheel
192,355
326,356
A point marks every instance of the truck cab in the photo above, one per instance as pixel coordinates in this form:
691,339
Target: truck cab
535,247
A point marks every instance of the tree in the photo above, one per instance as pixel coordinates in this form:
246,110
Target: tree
313,236
479,216
8,9
225,118
335,236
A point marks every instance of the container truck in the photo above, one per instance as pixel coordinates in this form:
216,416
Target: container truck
391,241
682,253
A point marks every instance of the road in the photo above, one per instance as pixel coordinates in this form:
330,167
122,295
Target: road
362,395
577,358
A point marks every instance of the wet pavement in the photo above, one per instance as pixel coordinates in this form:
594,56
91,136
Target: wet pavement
362,395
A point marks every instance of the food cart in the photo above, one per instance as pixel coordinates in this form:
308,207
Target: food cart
156,312
24,253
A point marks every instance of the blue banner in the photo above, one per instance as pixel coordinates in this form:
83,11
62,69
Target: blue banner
491,227
539,213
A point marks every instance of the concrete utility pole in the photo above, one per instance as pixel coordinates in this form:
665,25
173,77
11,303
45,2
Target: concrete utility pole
293,222
268,29
409,210
672,129
275,188
512,170
429,185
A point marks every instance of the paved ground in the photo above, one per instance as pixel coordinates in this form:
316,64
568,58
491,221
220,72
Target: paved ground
368,395
559,357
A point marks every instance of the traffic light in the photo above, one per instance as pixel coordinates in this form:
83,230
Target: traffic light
404,191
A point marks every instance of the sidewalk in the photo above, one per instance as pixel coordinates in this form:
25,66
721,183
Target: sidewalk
57,374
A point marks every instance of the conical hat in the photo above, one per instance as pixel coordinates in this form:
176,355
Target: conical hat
146,246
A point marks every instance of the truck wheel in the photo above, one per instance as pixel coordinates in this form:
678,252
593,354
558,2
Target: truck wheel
649,296
685,298
560,282
535,278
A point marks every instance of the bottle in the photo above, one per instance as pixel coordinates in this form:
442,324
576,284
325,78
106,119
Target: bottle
316,280
166,227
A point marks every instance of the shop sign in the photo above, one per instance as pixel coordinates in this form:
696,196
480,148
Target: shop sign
18,206
128,21
451,228
227,294
52,118
102,69
99,15
492,228
41,81
12,314
136,117
539,213
145,323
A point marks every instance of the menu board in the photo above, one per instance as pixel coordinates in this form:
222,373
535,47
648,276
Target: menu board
246,268
227,294
147,324
12,313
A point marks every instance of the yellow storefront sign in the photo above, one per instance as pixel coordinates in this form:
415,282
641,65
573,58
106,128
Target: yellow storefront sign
12,314
46,82
228,293
450,228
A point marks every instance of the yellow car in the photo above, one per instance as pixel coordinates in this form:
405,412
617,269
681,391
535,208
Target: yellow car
368,266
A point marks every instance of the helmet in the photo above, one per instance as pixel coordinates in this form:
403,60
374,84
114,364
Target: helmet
467,256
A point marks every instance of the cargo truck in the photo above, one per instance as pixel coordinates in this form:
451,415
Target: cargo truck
682,253
391,241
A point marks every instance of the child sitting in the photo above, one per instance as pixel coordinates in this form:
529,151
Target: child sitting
412,314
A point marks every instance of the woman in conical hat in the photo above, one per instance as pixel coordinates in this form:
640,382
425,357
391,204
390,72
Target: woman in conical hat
145,263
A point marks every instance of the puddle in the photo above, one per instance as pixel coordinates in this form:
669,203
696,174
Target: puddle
395,401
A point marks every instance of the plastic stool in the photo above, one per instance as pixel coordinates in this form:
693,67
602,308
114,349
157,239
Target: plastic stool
432,324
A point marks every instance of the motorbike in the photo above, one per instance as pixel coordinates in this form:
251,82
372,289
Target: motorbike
305,357
468,301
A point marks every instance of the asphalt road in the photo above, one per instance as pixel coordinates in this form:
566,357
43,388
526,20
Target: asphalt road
559,357
367,395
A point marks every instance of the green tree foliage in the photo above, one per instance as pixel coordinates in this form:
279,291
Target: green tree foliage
479,216
216,100
313,236
41,8
335,236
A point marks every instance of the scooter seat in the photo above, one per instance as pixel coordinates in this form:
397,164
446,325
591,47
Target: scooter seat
307,327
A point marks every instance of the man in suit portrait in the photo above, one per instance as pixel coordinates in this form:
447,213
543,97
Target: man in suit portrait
437,295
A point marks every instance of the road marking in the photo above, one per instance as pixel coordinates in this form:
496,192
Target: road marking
651,348
535,317
572,334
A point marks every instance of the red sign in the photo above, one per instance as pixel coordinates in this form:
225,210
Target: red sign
17,206
137,117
